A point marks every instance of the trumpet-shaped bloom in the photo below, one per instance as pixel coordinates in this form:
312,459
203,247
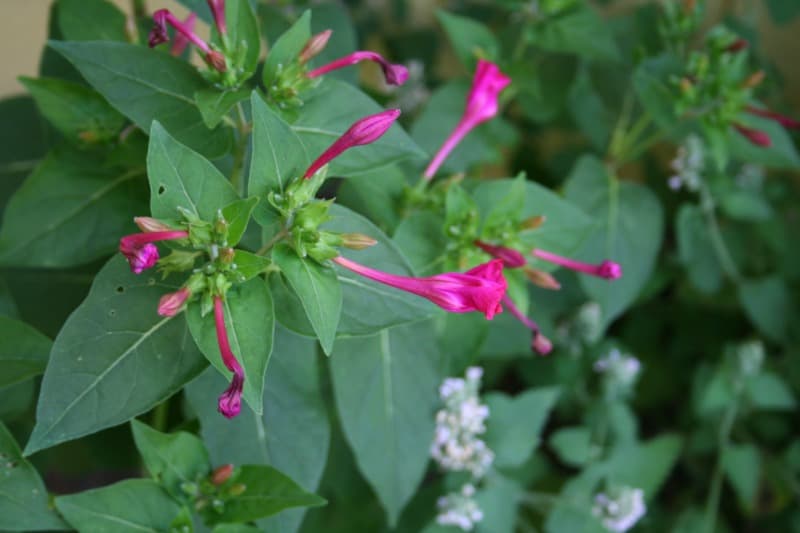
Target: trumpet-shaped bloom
511,258
479,289
159,35
392,73
606,269
230,401
140,251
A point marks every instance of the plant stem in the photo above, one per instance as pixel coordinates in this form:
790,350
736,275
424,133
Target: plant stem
273,241
161,416
139,8
726,261
714,494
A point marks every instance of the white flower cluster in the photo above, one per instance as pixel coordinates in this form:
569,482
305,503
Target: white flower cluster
621,510
459,509
688,165
621,370
750,357
456,445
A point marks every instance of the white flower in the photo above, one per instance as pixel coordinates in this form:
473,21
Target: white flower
688,164
459,509
620,369
621,510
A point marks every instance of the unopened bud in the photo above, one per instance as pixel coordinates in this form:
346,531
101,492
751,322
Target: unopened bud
737,46
221,474
357,241
151,225
238,489
226,255
216,60
314,46
171,303
190,488
541,344
686,85
542,279
754,80
532,222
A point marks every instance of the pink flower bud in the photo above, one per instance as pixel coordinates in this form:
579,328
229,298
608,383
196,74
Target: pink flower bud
737,46
786,122
511,258
539,343
151,225
393,74
365,131
221,474
756,137
314,46
607,269
172,302
218,11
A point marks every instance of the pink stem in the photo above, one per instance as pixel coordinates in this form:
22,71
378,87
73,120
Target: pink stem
530,324
606,269
187,32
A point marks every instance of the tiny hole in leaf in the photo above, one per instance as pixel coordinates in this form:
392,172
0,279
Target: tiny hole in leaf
161,189
120,289
112,312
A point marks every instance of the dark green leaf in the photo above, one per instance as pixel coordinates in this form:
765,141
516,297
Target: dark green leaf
651,81
91,20
173,459
214,104
115,358
23,351
589,111
645,465
768,304
343,41
470,39
250,322
573,445
783,11
237,215
421,239
385,388
15,400
243,32
742,465
696,249
769,391
145,85
286,48
580,31
24,504
780,154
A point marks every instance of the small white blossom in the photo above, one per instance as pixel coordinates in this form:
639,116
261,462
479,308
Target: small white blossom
459,509
620,369
750,357
620,509
688,165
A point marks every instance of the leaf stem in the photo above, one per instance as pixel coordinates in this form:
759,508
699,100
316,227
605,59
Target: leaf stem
161,416
273,241
727,263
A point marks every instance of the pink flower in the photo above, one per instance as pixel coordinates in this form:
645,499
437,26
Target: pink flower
511,258
487,84
218,11
159,35
140,251
314,46
737,46
539,343
230,401
172,302
606,269
365,131
756,137
478,289
394,74
181,42
786,122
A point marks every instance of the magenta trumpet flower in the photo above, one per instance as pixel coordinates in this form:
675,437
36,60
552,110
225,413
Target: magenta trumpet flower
786,122
479,289
159,35
365,131
218,11
393,74
606,269
487,84
230,401
756,137
539,343
180,42
511,258
140,251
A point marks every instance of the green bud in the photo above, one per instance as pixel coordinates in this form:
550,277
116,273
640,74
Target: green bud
190,488
178,261
238,489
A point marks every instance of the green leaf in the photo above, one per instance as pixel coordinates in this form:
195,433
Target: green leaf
515,424
343,41
742,466
375,195
180,177
237,215
544,91
651,81
286,48
79,113
768,391
145,85
173,459
498,499
580,31
23,351
24,504
573,445
589,111
71,210
783,11
114,358
214,104
644,465
108,22
294,412
130,506
470,39
696,250
16,400
768,305
268,492
23,143
780,154
250,322
321,124
278,154
629,229
243,33
421,239
235,528
385,389
250,265
318,289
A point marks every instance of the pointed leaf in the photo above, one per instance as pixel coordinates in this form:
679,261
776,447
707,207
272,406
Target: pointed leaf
215,104
108,21
470,38
286,48
23,351
237,215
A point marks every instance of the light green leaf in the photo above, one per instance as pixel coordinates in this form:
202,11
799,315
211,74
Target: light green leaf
215,104
470,39
180,177
386,391
498,499
24,504
237,215
644,465
173,459
250,322
769,391
145,85
243,33
114,358
573,445
286,48
130,506
696,250
581,31
742,466
250,265
23,351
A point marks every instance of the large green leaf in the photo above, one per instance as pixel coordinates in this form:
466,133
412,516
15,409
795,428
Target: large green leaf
386,392
130,506
769,306
695,249
173,459
23,351
180,177
293,434
23,137
70,211
108,22
580,31
470,38
318,289
114,358
147,85
321,123
286,48
250,322
629,230
24,504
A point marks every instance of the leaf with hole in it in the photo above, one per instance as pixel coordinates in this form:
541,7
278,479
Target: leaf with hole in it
180,177
114,358
146,85
250,323
23,351
24,504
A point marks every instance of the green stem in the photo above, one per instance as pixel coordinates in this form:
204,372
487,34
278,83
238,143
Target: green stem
273,241
720,248
715,493
161,416
139,8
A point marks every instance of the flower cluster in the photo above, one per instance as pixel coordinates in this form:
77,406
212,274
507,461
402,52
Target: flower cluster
459,509
619,370
456,446
688,165
620,509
